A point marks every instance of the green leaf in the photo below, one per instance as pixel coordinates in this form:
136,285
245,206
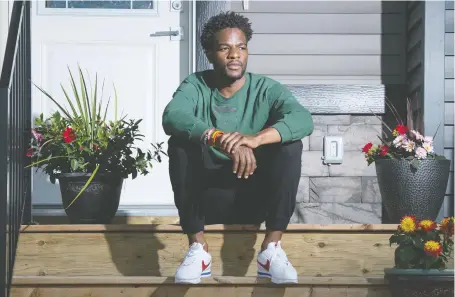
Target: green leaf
415,163
86,185
74,164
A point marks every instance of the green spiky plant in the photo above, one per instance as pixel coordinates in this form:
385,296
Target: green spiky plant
83,140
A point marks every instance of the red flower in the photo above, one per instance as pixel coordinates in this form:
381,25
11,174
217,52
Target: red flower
367,147
384,150
95,147
401,129
68,135
29,152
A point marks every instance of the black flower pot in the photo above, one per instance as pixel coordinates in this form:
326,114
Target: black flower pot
98,203
419,282
407,191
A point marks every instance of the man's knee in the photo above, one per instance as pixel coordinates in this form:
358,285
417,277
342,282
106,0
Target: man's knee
291,151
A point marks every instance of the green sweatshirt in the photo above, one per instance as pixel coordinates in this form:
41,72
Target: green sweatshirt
260,103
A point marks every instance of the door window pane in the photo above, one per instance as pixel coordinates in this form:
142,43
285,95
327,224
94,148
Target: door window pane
99,4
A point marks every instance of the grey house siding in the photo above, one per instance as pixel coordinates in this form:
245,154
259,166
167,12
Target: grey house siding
414,62
449,99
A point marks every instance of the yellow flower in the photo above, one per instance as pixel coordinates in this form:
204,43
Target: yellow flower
408,224
447,225
432,248
427,225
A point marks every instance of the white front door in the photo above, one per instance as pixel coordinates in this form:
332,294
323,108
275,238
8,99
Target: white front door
112,39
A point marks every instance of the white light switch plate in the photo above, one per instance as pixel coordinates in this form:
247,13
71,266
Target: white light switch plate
333,149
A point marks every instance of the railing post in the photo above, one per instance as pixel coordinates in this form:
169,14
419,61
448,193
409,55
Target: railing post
27,215
3,191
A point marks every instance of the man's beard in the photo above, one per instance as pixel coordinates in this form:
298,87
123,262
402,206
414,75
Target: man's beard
224,71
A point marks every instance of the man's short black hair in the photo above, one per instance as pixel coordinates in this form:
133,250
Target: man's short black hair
222,21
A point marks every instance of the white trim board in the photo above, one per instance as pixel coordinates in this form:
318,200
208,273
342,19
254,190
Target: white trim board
124,210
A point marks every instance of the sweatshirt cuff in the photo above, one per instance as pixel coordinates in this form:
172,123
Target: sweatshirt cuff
285,132
197,131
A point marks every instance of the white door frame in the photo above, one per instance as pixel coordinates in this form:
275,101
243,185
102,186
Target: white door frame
131,210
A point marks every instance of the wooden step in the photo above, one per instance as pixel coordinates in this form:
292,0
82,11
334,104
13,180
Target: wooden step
157,250
83,286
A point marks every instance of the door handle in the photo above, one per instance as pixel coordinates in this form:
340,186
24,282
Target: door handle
165,33
175,34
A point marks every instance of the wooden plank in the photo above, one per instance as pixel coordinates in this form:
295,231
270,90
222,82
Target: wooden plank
152,228
326,23
214,280
448,90
117,220
325,44
448,136
449,21
326,65
448,67
449,44
325,254
448,153
201,291
304,7
449,113
352,99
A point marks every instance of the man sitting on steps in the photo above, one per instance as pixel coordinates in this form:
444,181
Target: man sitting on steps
235,151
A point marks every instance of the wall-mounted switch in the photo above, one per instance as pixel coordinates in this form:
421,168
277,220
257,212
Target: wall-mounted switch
333,150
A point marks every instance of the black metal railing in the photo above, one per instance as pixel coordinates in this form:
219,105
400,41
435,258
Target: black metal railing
15,124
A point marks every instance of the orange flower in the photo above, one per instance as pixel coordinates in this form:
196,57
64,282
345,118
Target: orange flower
408,224
447,225
427,225
432,248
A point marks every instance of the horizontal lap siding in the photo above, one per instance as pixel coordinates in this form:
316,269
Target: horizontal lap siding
449,96
301,42
414,62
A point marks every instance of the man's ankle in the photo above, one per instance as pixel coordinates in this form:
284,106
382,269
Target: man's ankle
199,238
271,236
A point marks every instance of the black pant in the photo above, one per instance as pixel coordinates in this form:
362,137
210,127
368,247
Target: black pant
206,191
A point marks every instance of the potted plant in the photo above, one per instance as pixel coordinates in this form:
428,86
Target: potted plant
88,154
412,178
421,257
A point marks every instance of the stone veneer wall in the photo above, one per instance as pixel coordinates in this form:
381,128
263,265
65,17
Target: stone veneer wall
345,193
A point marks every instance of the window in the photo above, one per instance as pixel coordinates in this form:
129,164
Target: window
97,7
91,4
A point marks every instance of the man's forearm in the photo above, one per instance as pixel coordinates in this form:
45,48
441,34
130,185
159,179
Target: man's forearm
268,136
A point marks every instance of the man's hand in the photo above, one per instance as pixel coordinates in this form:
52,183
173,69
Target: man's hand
244,162
230,142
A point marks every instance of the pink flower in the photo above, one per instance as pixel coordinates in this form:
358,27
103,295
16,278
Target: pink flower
416,135
398,141
38,136
428,139
421,153
428,147
409,145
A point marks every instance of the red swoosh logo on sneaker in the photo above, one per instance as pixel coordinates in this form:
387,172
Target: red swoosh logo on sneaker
266,266
204,266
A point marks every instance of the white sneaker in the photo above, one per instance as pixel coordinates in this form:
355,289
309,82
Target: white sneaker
196,264
273,263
